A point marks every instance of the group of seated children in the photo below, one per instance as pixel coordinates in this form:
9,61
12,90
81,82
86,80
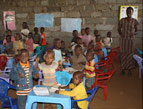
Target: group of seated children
83,49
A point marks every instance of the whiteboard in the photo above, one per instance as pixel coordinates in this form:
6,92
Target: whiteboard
123,12
44,20
70,24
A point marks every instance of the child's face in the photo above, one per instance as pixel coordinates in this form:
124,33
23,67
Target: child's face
17,38
9,33
24,57
90,46
76,80
79,42
87,31
62,45
8,39
109,34
78,51
75,34
82,32
36,30
58,44
41,30
29,35
95,32
89,57
49,58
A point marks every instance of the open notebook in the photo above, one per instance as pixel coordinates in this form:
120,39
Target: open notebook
41,91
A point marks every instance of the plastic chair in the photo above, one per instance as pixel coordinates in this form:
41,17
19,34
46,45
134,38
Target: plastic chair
40,77
5,74
104,51
139,51
116,52
91,92
102,79
140,63
3,61
63,77
7,101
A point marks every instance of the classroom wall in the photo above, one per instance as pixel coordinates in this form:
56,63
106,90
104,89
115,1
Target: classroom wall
100,14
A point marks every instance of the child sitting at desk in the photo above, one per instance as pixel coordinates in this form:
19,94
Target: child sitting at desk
78,91
89,69
78,60
22,74
49,68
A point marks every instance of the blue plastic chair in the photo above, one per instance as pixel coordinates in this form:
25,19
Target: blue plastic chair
63,77
104,51
91,92
7,101
140,63
139,51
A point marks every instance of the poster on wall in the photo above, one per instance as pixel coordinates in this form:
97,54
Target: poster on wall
70,24
44,20
123,11
9,20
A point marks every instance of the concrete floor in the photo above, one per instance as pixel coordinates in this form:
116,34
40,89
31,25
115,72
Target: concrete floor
124,92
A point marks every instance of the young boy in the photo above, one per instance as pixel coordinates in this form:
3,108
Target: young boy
36,36
78,60
42,38
22,75
9,45
75,35
57,50
78,91
108,41
87,38
25,31
98,47
89,69
29,43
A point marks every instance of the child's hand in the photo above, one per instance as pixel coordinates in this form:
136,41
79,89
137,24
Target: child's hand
57,91
37,60
21,75
36,75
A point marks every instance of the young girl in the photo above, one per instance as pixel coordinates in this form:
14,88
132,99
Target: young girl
89,69
78,91
49,68
18,44
29,43
57,50
22,74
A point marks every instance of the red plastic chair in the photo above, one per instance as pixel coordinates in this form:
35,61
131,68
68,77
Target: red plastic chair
116,51
3,61
102,79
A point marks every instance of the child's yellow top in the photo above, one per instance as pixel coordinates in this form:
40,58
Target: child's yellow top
78,92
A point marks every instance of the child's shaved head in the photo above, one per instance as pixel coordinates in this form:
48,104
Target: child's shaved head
79,74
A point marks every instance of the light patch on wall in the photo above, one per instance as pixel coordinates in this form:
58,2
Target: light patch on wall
70,24
44,20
